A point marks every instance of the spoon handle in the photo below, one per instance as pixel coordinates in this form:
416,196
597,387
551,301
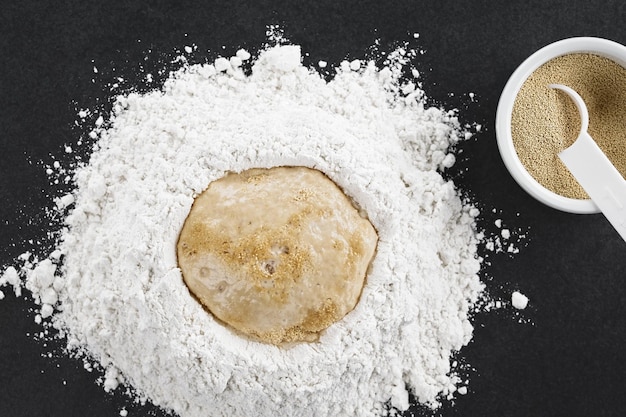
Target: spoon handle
599,178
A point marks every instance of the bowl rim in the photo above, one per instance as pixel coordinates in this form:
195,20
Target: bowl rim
599,46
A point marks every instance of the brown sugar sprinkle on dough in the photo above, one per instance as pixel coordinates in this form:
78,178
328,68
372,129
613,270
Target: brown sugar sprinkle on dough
278,254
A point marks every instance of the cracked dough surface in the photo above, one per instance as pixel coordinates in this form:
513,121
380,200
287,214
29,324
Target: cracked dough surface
279,254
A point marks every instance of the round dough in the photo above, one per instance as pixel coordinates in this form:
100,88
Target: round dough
279,254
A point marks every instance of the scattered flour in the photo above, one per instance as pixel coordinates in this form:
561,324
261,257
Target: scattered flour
519,300
506,240
112,286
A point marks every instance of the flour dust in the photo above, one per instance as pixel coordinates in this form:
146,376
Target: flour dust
113,289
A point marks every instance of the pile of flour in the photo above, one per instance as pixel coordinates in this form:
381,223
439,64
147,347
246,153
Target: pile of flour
114,290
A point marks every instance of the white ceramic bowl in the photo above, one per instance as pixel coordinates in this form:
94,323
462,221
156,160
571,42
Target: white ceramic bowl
598,46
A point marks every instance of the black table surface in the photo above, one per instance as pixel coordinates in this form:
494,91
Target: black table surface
562,356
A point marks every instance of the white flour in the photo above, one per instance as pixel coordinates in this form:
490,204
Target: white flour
119,297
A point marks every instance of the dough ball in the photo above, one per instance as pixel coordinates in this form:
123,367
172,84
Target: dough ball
279,254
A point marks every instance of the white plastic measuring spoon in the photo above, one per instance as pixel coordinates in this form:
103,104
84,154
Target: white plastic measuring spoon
594,171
